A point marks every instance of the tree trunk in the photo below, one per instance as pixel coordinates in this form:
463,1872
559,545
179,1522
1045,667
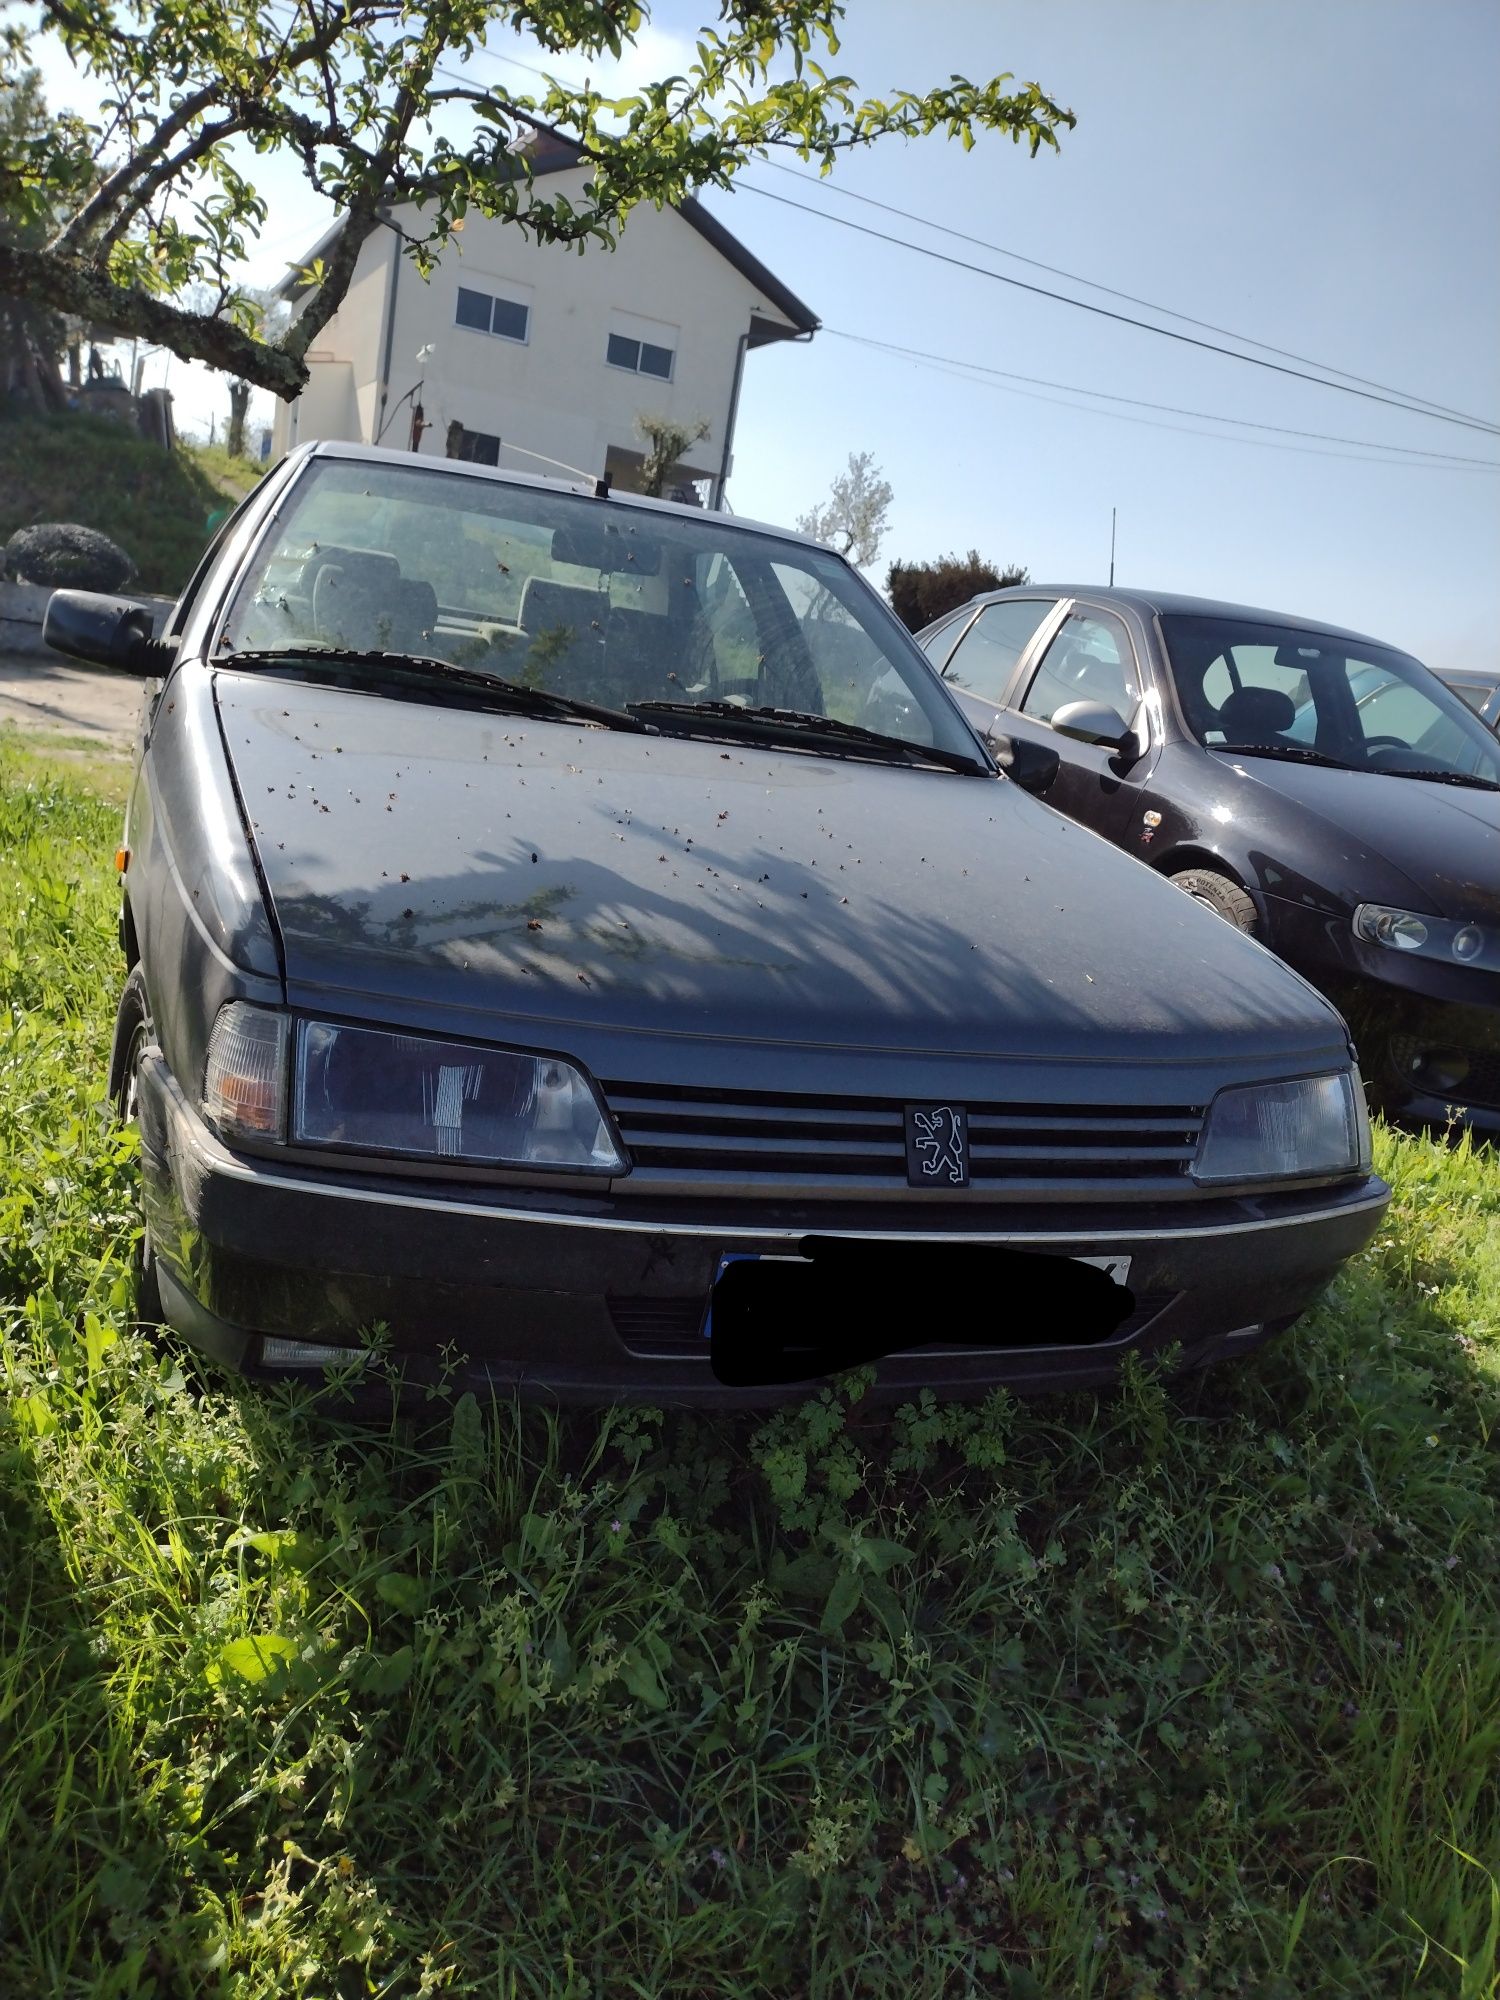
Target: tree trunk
239,403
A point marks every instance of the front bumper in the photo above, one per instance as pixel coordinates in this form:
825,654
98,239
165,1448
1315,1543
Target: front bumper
574,1299
1425,1058
1427,1032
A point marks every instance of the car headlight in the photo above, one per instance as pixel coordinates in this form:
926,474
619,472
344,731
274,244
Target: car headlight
1457,940
1276,1131
368,1090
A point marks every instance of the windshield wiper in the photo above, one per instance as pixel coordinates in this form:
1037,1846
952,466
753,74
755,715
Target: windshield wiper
727,718
1439,777
512,696
1297,752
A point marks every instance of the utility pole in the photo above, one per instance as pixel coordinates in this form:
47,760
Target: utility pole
1112,548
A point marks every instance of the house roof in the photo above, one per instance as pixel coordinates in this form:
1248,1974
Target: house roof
551,153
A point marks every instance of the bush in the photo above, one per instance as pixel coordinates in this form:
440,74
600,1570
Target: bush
922,592
67,556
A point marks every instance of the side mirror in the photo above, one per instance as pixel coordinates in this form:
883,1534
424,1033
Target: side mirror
107,631
1092,722
1032,766
1096,722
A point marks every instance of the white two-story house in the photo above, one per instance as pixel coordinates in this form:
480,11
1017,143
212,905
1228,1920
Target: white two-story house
529,355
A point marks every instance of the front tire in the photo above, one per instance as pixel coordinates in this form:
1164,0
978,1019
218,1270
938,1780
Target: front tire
1222,895
133,1033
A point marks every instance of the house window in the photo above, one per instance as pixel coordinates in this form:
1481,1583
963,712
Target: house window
641,346
641,357
485,312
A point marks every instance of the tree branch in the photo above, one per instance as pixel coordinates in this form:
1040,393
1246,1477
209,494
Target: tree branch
71,285
135,165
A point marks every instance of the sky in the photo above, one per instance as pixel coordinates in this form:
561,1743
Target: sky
1323,178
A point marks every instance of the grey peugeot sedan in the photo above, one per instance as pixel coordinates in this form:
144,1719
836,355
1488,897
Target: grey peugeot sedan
550,914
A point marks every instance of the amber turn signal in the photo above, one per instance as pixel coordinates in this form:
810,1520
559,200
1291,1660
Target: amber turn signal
122,860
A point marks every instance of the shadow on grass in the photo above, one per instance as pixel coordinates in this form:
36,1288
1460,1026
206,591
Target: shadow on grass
93,1898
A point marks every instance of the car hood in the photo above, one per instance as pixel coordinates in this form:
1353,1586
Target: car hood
430,857
1445,839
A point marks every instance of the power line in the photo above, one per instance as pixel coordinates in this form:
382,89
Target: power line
1123,319
953,361
1416,405
960,374
1074,277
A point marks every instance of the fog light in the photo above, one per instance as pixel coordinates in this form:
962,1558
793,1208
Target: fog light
309,1354
1439,1069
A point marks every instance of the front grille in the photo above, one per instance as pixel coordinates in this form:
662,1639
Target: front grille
736,1137
1480,1084
669,1328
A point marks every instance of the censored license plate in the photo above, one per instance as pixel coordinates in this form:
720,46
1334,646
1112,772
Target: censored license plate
1117,1268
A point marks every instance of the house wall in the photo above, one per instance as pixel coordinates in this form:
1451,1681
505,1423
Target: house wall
327,407
555,396
353,341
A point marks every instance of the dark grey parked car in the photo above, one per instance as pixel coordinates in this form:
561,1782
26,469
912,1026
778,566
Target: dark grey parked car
1325,793
1479,687
535,898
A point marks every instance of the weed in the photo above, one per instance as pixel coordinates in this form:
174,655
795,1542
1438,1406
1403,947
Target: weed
1184,1690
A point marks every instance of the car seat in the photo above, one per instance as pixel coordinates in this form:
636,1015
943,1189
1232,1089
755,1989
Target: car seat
644,654
356,599
566,627
1256,715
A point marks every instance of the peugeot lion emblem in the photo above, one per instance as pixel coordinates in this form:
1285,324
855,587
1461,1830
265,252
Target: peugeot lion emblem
937,1145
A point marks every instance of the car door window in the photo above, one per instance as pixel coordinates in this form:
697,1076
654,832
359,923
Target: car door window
1091,659
986,658
938,642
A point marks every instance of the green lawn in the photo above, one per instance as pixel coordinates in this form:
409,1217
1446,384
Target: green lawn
1181,1691
157,505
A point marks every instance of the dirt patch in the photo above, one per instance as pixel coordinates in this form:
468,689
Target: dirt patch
45,692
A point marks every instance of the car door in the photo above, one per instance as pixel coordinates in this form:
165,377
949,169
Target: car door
1088,655
982,666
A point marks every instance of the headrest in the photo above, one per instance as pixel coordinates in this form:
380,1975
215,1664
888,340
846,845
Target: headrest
1254,713
546,605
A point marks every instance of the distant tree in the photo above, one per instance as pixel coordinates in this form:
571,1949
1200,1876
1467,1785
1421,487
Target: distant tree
666,445
921,592
239,403
32,336
853,517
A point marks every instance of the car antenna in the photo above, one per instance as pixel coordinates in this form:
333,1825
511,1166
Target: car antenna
602,485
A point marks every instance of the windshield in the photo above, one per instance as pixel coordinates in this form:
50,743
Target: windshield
590,599
1279,690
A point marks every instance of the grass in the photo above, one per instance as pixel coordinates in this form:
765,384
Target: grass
102,769
1180,1691
155,504
234,476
